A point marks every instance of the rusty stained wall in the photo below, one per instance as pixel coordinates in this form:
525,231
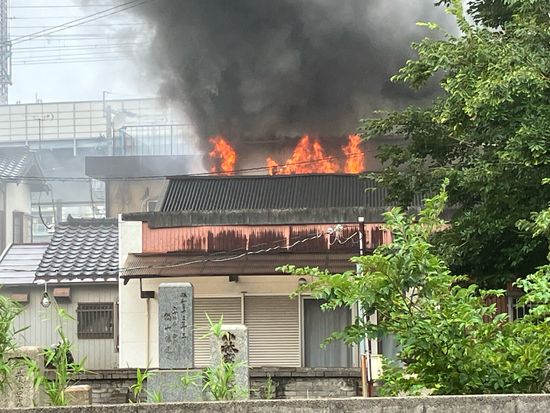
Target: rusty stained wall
252,238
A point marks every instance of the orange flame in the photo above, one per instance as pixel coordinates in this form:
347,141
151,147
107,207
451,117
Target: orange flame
355,158
308,157
223,156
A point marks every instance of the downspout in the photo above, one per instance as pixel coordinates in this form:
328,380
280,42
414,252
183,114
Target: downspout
148,335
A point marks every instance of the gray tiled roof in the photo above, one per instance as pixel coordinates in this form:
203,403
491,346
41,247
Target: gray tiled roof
82,249
19,263
16,162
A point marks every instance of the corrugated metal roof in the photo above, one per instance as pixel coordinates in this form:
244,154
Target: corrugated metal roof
255,264
279,192
19,263
84,249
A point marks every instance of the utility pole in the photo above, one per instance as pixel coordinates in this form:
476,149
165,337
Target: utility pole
40,119
5,53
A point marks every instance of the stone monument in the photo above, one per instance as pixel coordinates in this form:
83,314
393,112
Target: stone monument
175,325
175,346
20,390
232,347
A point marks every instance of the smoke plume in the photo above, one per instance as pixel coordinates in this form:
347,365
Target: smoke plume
252,69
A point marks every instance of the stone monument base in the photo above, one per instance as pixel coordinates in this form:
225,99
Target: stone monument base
168,384
20,390
79,395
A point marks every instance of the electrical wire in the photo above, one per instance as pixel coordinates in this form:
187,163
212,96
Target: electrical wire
234,171
80,21
205,258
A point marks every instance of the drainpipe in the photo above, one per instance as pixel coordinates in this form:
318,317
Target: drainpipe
365,349
148,335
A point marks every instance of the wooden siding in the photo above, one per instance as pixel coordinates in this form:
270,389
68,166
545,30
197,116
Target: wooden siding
41,323
250,238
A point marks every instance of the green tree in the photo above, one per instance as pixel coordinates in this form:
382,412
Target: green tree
450,340
488,132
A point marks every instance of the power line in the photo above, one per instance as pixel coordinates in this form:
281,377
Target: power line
83,20
51,6
205,258
223,173
29,63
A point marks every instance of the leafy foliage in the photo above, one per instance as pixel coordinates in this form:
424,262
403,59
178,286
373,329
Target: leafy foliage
218,380
138,387
9,310
450,340
489,133
66,369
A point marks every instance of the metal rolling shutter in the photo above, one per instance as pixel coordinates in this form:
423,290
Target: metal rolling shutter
273,331
230,308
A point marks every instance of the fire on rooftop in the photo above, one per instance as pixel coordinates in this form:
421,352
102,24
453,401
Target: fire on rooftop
308,156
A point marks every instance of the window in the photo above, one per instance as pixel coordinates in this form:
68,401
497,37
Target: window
95,320
2,231
318,325
152,205
515,310
22,228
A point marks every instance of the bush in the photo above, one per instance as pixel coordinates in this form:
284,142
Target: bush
450,340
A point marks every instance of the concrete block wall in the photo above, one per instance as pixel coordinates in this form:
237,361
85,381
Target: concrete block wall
533,403
112,386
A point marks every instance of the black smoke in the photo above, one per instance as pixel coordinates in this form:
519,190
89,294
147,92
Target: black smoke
253,69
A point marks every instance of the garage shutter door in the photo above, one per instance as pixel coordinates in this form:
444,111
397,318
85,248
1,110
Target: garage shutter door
273,331
230,308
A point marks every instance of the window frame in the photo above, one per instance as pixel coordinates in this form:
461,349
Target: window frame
95,310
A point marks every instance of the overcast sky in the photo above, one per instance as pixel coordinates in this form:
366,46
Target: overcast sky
81,62
78,63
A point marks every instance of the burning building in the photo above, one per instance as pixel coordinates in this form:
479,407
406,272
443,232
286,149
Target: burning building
307,156
227,235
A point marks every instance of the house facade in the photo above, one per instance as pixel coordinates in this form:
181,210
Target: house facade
226,236
20,178
78,271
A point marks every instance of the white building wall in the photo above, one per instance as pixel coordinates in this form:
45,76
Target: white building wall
18,198
133,326
139,320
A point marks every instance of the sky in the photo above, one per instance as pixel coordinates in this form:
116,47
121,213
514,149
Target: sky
78,63
82,62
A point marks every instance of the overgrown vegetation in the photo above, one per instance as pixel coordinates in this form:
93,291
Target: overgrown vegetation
451,341
138,388
218,381
9,310
488,132
65,368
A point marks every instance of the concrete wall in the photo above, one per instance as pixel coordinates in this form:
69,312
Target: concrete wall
40,323
537,403
113,386
131,195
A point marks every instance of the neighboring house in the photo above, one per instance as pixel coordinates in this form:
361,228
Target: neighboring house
226,236
79,271
136,183
64,133
20,175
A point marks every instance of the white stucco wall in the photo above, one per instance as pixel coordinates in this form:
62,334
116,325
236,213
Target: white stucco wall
139,324
132,309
